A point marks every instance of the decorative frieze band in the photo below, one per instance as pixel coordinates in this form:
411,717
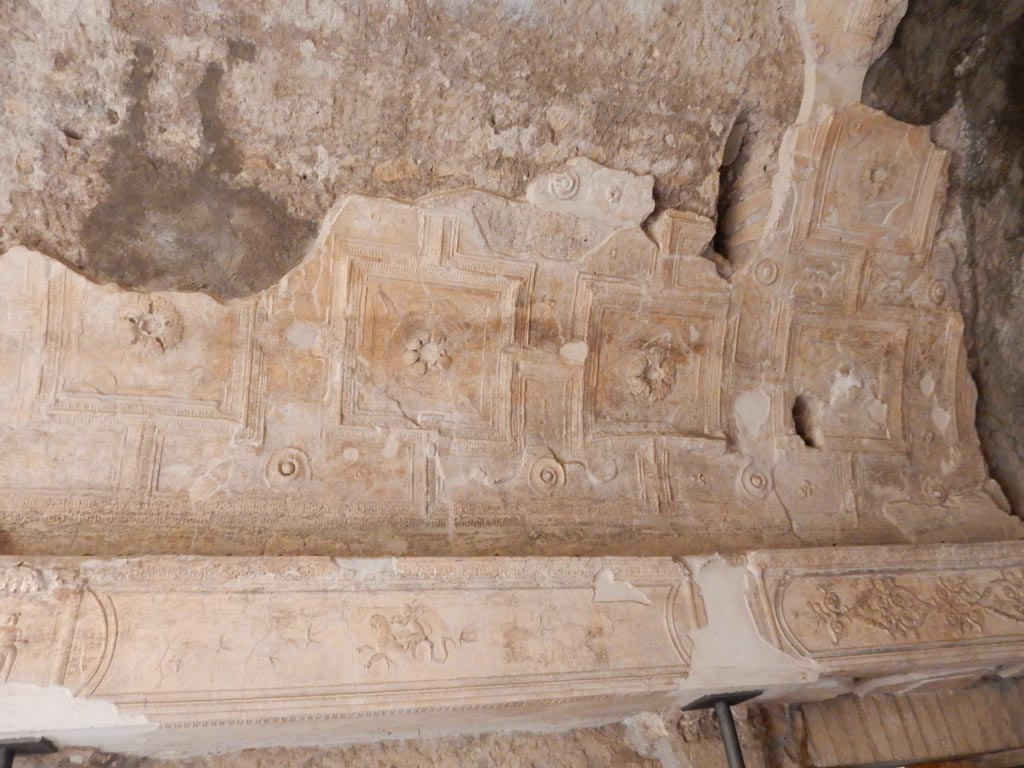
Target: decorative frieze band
881,608
182,640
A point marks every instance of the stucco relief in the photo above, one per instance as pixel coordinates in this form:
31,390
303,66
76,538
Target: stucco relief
190,641
340,649
872,609
468,370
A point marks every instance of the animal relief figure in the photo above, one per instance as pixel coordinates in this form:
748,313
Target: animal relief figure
417,634
191,654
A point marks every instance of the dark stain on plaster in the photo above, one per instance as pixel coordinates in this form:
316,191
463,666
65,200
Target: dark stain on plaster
168,227
242,49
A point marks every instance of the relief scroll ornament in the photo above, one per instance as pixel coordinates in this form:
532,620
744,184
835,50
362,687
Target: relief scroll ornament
547,474
766,272
755,482
961,605
564,185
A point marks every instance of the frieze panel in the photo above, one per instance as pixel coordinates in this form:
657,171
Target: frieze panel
199,642
864,610
349,636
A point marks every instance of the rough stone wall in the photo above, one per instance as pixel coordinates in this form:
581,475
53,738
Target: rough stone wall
961,65
648,741
578,749
165,144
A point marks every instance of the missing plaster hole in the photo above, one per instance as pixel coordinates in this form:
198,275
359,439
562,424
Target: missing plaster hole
728,174
805,421
71,133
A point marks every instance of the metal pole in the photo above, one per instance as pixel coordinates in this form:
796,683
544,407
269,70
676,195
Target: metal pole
733,753
11,748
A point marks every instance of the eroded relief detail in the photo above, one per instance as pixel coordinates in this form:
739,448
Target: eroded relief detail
10,638
152,324
224,642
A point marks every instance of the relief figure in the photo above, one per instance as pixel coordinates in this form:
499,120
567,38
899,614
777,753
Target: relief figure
10,638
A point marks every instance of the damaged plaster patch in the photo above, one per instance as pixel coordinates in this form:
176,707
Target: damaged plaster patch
608,590
940,418
730,645
366,567
752,408
647,735
29,710
302,335
574,352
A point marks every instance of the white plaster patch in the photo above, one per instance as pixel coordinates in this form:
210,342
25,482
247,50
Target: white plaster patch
301,335
846,388
33,710
927,384
752,408
362,567
210,482
350,454
647,735
940,418
608,590
730,647
391,446
574,352
878,411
